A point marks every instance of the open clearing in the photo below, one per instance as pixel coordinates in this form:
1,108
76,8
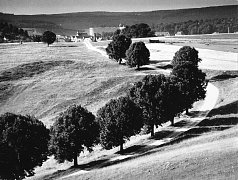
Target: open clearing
44,81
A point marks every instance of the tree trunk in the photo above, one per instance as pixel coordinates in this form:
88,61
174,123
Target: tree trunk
138,66
152,132
120,61
75,160
121,147
172,122
48,44
187,111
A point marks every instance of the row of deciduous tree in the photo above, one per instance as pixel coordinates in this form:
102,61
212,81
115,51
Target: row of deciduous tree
25,142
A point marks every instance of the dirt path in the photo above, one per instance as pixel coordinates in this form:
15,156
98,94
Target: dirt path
91,47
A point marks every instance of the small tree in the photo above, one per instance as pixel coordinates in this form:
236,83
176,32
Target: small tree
23,145
75,129
48,37
119,120
117,48
137,55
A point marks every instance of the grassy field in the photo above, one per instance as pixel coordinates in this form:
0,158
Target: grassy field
44,81
208,151
219,42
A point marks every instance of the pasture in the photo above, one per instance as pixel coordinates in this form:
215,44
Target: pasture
43,81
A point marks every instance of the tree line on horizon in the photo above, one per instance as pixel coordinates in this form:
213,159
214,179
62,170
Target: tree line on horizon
12,32
25,142
191,27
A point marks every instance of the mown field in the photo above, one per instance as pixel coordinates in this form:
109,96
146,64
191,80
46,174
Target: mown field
43,81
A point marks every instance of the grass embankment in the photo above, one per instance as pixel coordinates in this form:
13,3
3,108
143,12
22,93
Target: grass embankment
47,80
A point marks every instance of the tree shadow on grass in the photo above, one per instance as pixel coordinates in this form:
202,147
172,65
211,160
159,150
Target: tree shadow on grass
224,76
167,66
193,114
65,46
144,69
181,123
136,151
158,61
231,108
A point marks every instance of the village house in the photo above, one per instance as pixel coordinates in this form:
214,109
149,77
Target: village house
79,36
162,34
179,33
32,32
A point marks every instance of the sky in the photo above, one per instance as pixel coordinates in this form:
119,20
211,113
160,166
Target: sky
67,6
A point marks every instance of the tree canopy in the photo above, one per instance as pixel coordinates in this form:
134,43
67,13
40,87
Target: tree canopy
192,80
12,32
192,83
48,37
207,26
116,49
74,130
148,94
137,55
186,54
138,31
23,145
119,119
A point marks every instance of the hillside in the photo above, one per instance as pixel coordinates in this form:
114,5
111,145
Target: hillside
70,22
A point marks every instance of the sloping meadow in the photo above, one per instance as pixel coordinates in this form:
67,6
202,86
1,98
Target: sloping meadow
44,81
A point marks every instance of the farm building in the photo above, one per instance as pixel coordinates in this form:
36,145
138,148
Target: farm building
79,36
32,31
162,34
179,33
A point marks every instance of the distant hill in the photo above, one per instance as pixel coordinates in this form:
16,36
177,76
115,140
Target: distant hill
69,23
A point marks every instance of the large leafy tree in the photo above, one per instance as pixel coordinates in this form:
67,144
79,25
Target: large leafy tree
48,37
74,130
170,100
119,119
23,145
138,31
186,54
192,82
148,95
137,55
116,49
